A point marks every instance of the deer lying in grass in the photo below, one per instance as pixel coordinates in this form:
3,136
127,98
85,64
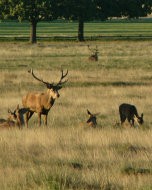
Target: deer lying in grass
130,113
92,121
41,102
94,54
15,118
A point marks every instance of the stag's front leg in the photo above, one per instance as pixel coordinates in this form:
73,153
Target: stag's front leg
39,119
28,115
45,119
26,119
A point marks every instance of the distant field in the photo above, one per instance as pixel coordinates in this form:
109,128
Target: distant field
96,30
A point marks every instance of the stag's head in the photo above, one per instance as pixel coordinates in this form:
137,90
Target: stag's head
53,89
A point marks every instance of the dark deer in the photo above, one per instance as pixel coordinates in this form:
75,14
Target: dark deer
41,102
15,118
92,121
94,54
130,113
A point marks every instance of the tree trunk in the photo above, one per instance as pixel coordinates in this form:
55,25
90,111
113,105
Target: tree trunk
33,32
81,29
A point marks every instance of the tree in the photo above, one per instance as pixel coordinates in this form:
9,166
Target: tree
34,11
79,10
126,8
4,9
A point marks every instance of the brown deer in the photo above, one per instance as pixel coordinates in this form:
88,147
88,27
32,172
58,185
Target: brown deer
94,54
92,121
130,113
41,102
15,118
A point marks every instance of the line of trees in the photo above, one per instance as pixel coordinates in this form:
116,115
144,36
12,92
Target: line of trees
35,11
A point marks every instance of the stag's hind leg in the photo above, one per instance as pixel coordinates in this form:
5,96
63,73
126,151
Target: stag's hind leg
28,115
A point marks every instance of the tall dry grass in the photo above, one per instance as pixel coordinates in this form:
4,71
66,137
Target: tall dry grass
67,154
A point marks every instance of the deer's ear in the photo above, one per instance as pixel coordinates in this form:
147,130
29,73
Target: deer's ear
142,115
89,112
18,107
9,111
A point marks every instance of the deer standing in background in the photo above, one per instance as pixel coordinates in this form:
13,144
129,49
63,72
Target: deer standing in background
41,102
92,121
94,54
130,113
15,118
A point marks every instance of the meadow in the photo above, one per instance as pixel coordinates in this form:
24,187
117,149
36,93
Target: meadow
67,154
114,29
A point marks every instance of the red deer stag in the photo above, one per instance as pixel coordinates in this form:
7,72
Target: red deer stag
15,118
41,102
94,54
130,113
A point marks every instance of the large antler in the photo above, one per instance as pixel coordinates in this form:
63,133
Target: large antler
95,50
31,71
90,48
62,77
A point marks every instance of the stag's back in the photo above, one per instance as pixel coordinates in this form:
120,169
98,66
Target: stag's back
36,101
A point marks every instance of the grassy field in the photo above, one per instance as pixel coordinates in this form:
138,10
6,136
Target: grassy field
68,155
68,30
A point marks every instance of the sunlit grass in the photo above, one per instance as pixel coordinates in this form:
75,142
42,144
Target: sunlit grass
67,154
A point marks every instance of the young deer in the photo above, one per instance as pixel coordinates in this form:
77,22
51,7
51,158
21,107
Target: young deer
92,121
94,54
15,118
130,113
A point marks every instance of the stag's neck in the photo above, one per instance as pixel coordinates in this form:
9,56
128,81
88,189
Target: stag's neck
51,101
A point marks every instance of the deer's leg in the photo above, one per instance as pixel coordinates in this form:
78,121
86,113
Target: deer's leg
26,119
130,122
122,119
39,119
28,115
133,122
45,119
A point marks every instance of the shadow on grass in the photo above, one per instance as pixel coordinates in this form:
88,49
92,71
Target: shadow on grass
114,83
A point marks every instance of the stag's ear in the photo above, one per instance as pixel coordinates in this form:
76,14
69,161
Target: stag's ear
59,87
142,115
49,86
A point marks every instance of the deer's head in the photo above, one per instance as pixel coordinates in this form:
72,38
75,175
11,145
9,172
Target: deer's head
17,115
92,121
139,120
53,89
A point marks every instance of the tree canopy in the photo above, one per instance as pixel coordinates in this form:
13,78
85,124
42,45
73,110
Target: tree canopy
34,11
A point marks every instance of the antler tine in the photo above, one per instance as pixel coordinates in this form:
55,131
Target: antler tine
62,77
89,48
31,71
